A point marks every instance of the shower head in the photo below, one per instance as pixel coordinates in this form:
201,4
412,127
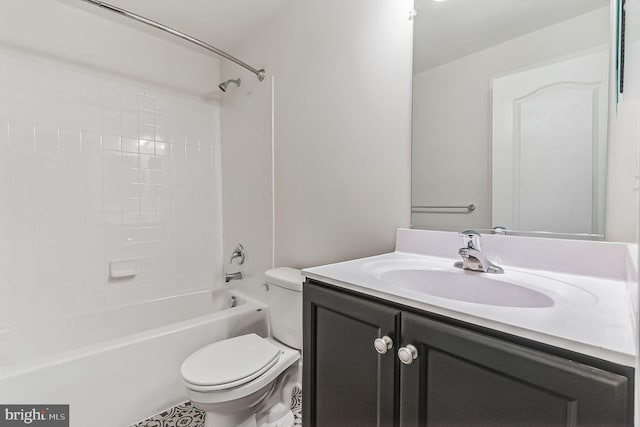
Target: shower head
223,86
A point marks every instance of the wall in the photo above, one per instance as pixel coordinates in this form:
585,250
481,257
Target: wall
247,150
100,160
342,111
627,123
452,116
622,179
86,35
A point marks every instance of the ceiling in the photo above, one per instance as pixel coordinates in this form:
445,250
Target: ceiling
447,30
225,24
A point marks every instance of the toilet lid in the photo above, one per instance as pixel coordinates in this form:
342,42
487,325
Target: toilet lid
231,362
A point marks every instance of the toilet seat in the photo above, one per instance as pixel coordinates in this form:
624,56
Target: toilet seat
229,363
207,394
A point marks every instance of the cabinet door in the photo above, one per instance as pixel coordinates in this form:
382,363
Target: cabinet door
462,378
346,382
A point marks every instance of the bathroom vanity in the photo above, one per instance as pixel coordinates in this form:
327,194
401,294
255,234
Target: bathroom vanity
383,347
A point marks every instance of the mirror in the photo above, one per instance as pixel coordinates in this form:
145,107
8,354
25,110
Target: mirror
510,106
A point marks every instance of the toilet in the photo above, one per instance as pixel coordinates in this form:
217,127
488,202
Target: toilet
246,381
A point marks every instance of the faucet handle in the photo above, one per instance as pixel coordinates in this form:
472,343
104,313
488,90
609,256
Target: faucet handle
238,254
471,239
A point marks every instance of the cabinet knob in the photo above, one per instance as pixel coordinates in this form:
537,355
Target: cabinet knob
383,344
407,354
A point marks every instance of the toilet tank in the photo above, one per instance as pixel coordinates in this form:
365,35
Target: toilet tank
284,299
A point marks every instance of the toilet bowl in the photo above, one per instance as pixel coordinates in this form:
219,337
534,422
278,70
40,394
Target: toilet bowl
246,381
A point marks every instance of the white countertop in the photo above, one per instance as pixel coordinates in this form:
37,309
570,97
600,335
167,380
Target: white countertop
595,318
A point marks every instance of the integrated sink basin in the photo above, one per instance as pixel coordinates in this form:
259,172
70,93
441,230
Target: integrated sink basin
426,280
466,287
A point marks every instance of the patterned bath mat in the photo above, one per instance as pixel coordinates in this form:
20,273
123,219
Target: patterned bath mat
187,415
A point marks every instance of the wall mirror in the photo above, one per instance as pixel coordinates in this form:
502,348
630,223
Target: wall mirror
510,108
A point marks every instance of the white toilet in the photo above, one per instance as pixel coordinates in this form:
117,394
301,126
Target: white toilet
246,381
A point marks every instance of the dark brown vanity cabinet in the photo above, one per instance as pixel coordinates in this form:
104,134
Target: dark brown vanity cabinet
459,377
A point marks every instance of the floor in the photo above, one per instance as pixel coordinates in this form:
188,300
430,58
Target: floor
186,415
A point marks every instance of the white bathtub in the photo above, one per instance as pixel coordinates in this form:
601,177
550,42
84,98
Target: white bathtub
119,366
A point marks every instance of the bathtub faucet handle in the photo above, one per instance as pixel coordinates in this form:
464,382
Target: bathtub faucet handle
238,254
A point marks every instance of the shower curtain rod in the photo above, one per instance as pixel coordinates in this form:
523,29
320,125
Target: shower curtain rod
259,73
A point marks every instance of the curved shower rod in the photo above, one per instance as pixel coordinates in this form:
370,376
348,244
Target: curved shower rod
259,73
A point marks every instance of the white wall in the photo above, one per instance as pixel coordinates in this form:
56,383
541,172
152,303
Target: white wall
622,168
247,152
452,116
342,91
86,35
627,125
99,163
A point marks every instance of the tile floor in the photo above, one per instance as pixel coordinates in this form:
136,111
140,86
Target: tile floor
187,415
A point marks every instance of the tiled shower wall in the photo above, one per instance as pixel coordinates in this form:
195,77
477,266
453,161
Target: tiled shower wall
96,168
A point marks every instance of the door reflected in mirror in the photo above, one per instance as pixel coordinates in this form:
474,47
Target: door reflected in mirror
510,105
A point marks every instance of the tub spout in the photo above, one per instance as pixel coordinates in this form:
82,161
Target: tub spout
232,276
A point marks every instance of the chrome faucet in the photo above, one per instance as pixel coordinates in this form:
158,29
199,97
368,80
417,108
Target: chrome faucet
238,255
472,258
232,276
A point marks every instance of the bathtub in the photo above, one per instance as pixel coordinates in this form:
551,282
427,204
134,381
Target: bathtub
119,366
